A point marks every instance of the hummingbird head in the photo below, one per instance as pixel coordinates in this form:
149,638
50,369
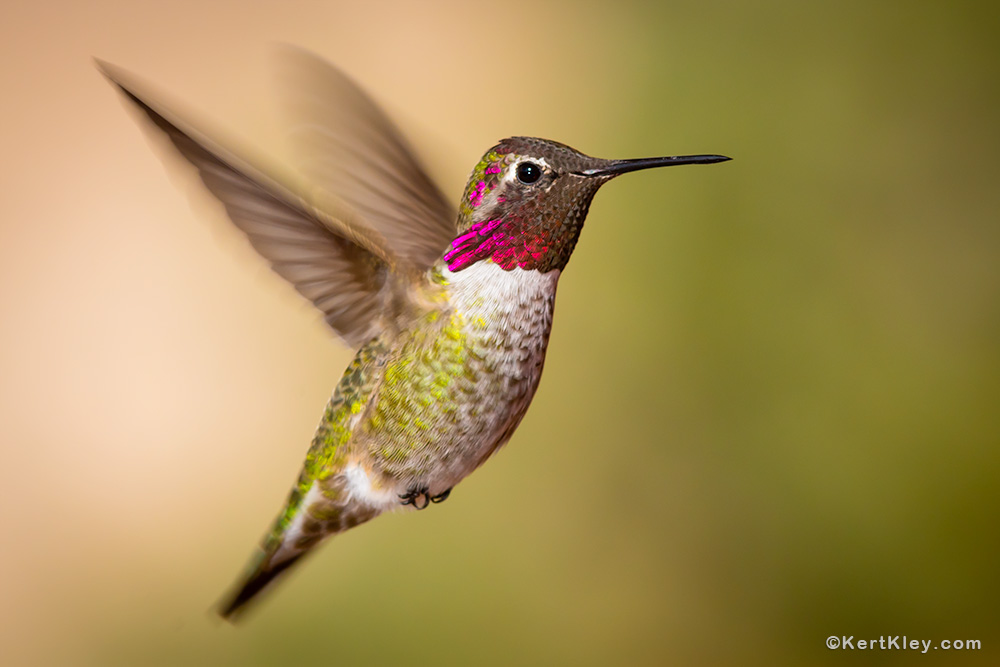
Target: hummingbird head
526,201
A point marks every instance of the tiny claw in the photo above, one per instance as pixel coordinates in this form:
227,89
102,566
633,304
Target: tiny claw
441,497
413,496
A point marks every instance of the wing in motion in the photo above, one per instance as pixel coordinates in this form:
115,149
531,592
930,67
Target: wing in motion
317,239
347,145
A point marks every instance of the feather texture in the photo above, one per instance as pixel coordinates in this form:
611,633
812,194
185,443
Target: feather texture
346,144
311,237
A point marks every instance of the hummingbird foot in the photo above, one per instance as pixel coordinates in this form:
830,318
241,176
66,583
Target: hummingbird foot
416,496
420,497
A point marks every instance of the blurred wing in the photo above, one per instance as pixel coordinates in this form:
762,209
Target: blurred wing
315,242
348,146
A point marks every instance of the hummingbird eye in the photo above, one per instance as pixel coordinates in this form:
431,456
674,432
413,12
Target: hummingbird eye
528,172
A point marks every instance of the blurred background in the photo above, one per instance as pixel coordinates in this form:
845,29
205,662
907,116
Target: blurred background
770,407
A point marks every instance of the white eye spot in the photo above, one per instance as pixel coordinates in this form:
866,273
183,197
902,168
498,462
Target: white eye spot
527,170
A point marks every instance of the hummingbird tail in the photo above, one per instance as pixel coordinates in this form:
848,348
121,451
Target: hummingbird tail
309,519
235,604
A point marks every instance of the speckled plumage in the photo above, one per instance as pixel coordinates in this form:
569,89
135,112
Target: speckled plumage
451,313
420,408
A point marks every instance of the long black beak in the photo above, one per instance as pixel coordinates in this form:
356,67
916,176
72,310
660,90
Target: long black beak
616,167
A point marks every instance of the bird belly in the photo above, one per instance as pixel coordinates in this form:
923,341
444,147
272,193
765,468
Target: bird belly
457,388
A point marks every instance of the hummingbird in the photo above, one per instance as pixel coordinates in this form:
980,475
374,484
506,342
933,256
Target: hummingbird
449,310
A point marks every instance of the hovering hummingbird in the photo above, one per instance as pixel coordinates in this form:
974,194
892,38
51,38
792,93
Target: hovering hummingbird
450,310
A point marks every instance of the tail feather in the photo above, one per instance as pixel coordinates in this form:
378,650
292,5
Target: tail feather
312,515
233,606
